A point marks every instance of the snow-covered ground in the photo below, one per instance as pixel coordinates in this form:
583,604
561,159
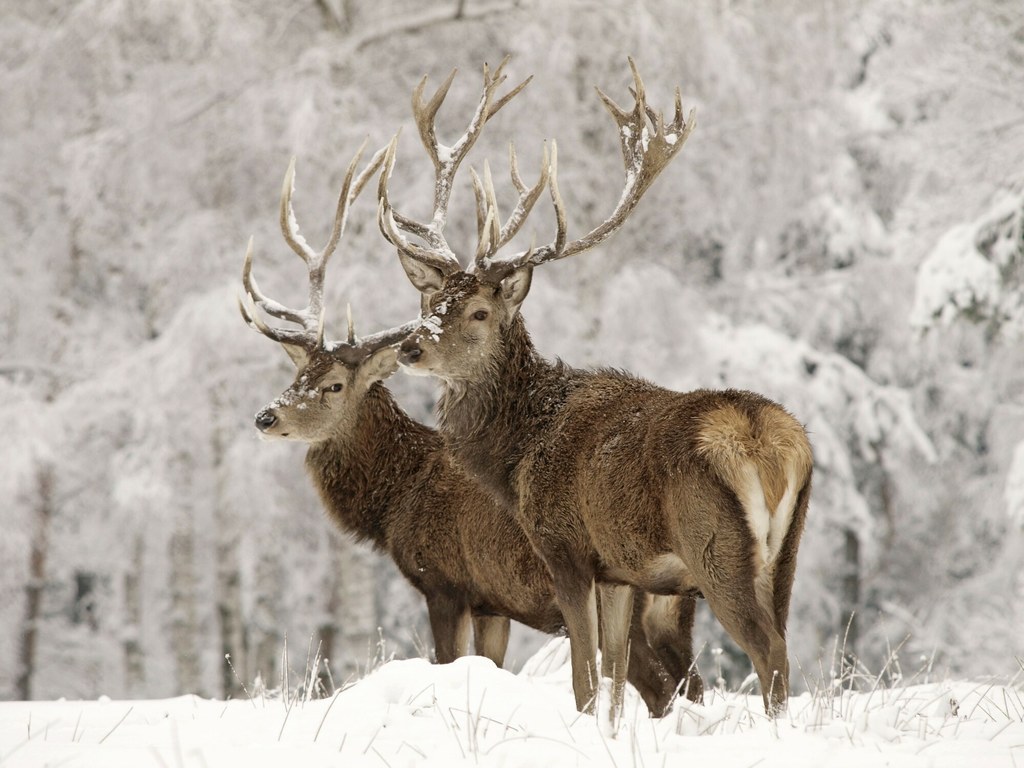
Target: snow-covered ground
412,713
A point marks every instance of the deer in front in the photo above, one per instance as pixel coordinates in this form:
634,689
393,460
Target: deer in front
388,479
615,481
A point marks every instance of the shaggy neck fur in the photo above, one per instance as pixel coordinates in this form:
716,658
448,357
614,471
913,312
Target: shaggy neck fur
359,471
489,422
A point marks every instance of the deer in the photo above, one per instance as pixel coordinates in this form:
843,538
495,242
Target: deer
388,480
617,483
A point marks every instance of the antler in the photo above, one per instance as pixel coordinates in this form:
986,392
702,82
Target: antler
436,252
645,154
491,234
311,317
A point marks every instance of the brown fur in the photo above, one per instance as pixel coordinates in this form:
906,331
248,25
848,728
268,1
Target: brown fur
728,439
387,479
615,479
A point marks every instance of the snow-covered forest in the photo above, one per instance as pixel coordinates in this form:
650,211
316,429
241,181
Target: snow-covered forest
843,232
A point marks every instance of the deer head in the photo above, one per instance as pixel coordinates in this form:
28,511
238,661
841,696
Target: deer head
333,376
465,312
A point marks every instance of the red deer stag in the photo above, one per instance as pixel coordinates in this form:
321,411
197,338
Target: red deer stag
385,478
614,480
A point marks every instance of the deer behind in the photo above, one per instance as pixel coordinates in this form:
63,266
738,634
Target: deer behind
389,480
614,480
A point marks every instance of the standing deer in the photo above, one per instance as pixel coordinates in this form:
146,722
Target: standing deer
387,479
615,481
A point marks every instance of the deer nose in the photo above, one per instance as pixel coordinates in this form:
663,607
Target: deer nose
409,352
265,419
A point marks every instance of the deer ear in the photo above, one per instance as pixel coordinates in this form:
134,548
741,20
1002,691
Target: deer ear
298,354
427,279
380,364
515,287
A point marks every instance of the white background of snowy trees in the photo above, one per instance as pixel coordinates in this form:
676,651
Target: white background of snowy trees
842,232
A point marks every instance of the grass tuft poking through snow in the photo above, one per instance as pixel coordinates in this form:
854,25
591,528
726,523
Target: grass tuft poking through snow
470,713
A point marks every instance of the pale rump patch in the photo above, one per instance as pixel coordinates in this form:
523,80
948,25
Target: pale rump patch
765,461
783,514
758,516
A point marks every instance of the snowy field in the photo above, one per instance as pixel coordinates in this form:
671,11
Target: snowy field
412,713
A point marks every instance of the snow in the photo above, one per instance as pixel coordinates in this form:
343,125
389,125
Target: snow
470,713
971,271
1014,492
432,323
954,279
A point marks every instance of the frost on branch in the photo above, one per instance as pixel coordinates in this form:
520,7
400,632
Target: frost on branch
976,273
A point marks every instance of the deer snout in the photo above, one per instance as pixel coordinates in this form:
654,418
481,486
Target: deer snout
265,419
410,351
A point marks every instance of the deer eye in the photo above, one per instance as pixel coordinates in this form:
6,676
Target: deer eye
333,388
480,314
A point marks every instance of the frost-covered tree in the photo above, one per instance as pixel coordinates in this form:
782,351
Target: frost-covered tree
844,157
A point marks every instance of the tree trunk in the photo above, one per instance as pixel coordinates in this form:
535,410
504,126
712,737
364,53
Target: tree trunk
36,582
184,623
234,651
850,592
134,662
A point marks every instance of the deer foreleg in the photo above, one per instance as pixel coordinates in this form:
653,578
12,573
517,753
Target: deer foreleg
449,623
578,601
490,637
645,669
668,625
616,612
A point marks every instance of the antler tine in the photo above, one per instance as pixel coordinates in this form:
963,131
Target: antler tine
424,114
268,305
492,204
556,201
645,154
289,227
501,234
310,318
480,196
528,196
253,297
487,218
446,159
351,324
350,189
486,237
389,220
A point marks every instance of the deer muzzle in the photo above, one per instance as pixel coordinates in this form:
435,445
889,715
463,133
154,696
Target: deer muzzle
410,351
265,419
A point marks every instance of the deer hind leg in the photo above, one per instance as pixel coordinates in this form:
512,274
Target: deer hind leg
449,624
616,602
668,625
490,637
785,562
734,603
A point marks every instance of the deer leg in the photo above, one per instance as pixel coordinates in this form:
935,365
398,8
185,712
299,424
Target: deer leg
578,602
616,612
645,669
735,605
668,626
490,637
785,562
449,624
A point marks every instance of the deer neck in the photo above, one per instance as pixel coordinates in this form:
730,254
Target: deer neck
490,422
363,471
